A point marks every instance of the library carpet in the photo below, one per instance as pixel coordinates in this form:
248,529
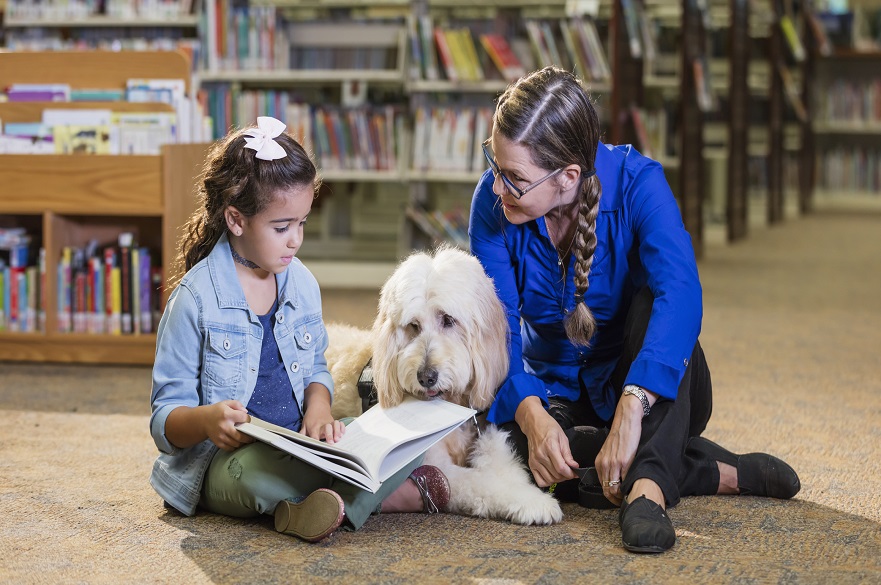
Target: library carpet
792,329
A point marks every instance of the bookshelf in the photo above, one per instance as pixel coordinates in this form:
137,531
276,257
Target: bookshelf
451,98
67,200
848,129
52,25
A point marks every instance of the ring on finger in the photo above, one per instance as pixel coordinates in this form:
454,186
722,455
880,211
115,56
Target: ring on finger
611,483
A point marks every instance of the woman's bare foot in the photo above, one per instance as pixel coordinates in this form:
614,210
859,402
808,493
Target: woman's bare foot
649,489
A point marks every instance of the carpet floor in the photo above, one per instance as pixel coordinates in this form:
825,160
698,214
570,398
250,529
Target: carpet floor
792,332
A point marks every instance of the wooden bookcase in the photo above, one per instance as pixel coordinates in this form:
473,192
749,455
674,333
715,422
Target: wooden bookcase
66,200
736,202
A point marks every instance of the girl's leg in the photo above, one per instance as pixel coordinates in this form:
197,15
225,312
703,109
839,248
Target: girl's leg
253,479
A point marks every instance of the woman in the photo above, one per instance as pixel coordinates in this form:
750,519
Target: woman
587,249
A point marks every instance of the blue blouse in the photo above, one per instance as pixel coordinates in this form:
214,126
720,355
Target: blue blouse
641,241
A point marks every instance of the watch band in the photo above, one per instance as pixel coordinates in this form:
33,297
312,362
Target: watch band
639,393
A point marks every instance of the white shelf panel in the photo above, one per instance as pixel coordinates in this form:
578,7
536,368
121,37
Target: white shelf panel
285,76
843,127
445,176
188,21
444,86
342,175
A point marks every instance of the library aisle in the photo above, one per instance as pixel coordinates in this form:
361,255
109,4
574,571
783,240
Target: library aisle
791,330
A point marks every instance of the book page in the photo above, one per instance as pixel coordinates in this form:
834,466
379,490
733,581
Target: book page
335,465
376,433
376,444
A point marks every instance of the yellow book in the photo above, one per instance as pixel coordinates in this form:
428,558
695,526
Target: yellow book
116,301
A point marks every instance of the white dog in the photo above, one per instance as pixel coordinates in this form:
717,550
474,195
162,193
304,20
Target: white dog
441,332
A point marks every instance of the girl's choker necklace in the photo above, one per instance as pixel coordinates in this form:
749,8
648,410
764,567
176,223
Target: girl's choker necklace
243,261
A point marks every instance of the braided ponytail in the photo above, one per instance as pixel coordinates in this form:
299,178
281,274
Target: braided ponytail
580,323
549,112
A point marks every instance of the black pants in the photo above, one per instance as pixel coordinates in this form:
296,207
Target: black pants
662,454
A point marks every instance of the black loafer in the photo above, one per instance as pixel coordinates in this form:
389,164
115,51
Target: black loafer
645,526
758,474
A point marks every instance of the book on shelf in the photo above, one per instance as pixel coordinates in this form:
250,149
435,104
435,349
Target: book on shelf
109,289
416,68
706,100
26,138
465,54
796,48
168,91
538,43
375,446
629,10
38,92
429,227
590,49
790,88
430,68
75,139
445,55
850,168
550,41
20,283
441,226
503,57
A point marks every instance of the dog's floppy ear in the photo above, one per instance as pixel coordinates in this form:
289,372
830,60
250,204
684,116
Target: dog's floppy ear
489,340
386,347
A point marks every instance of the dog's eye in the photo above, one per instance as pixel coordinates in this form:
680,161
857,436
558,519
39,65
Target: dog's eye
414,328
448,321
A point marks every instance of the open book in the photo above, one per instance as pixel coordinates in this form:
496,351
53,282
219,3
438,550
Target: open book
376,445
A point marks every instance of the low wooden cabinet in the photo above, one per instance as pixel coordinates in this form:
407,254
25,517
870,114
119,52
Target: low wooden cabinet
68,200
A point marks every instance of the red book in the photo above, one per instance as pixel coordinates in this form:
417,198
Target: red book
502,56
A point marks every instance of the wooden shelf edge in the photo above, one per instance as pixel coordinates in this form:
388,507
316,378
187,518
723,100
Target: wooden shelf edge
78,348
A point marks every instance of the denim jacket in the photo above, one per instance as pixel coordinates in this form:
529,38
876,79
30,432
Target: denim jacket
208,350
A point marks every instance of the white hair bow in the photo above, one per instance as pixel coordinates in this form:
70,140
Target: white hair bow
262,138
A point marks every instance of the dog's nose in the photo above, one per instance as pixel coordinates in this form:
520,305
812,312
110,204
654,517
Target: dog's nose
427,377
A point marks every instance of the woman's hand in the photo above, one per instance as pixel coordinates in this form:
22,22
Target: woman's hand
219,423
550,459
618,451
318,422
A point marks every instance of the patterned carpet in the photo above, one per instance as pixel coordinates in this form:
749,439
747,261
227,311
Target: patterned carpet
792,331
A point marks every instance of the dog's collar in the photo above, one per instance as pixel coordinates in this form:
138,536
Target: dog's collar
366,387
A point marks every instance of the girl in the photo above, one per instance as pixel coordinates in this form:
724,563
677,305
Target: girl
242,333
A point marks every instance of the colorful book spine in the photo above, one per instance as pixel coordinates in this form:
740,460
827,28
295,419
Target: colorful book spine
144,289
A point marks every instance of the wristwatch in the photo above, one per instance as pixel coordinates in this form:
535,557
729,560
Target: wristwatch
639,393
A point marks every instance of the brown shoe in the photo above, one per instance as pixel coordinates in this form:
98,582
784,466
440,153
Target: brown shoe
312,518
433,486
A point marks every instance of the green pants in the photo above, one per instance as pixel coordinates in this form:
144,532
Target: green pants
254,478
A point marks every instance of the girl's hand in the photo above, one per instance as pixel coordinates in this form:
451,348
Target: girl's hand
321,425
219,420
318,422
550,459
616,456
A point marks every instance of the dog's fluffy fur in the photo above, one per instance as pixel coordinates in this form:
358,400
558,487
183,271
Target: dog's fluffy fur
441,332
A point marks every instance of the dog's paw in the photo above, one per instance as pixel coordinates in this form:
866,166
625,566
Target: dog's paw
540,508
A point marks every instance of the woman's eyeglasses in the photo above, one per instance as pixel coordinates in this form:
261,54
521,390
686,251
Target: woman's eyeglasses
515,191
